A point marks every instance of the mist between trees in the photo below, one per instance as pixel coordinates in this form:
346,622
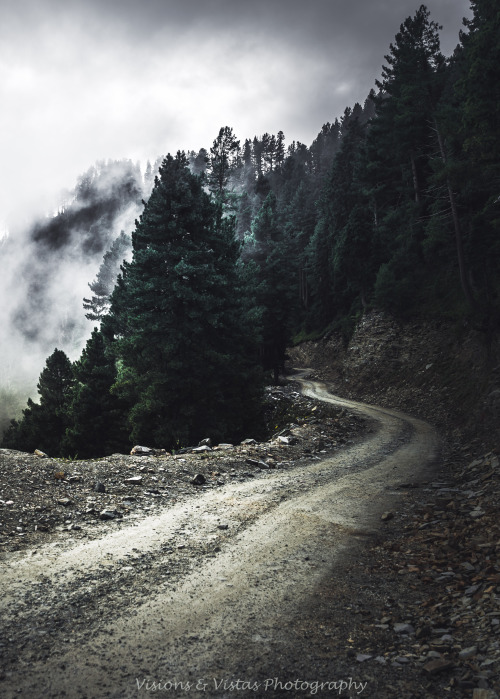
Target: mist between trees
243,248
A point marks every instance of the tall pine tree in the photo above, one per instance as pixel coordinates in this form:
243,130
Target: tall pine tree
185,346
43,424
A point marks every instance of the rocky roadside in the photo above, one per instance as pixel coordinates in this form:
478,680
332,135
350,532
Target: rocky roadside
425,617
444,548
428,605
42,497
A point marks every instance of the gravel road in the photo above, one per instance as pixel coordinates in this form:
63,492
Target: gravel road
130,614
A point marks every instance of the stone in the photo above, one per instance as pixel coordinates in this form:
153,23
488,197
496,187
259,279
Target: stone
362,657
436,666
41,454
99,487
472,589
141,451
283,440
387,516
223,526
199,450
248,442
199,479
484,694
109,514
135,480
64,502
467,566
404,628
476,513
205,442
257,463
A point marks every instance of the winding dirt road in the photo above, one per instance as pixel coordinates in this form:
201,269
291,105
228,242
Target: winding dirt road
126,616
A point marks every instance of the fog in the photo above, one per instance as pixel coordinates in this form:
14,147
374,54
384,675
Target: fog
47,268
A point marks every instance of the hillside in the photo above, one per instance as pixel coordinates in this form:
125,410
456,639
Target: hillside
446,373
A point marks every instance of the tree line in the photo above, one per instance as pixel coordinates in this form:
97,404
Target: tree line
242,249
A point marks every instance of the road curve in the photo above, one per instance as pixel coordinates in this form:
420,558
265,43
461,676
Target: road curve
221,619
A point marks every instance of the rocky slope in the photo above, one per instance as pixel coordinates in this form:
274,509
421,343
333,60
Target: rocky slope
442,372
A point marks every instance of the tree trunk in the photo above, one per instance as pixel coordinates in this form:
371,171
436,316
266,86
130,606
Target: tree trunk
464,281
416,186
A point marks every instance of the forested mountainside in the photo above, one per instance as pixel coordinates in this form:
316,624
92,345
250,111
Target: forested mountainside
244,248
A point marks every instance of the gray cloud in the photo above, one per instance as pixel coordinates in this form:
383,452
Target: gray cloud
86,80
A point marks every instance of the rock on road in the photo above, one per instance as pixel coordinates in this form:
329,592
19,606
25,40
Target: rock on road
223,617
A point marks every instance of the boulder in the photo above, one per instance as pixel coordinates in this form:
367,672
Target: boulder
109,514
142,451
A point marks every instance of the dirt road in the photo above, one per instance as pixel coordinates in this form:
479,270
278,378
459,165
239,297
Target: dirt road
129,615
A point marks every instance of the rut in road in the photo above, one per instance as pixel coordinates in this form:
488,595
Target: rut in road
220,616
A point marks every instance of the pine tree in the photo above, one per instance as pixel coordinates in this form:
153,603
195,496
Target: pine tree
43,424
401,145
276,273
185,346
224,155
477,94
102,286
95,416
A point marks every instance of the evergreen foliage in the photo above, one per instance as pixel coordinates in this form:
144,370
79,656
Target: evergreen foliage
184,344
96,417
44,424
102,286
274,267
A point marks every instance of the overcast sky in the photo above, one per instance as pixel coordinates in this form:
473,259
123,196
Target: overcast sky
82,80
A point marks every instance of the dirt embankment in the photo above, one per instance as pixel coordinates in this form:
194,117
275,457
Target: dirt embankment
441,372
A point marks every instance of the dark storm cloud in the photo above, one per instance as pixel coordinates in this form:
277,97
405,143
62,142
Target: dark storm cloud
88,79
315,23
